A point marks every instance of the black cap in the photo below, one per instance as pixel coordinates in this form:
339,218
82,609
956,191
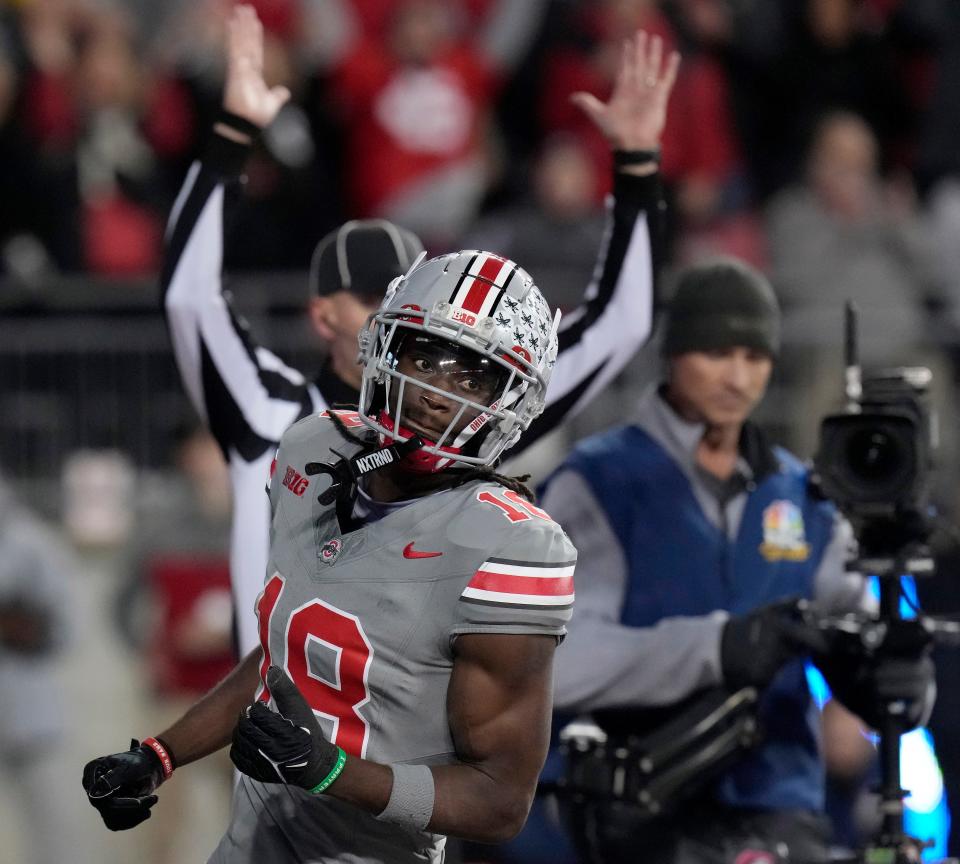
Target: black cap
723,303
363,256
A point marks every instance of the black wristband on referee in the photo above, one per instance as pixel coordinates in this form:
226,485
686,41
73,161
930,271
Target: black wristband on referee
622,158
238,123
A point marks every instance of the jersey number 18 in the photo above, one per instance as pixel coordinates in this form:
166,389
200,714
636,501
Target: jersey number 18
339,700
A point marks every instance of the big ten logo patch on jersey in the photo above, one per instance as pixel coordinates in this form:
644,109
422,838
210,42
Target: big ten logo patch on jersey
295,481
330,551
784,538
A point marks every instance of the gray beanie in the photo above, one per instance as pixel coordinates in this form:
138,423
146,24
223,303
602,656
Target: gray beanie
722,303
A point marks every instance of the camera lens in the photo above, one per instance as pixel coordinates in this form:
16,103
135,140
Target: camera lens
873,455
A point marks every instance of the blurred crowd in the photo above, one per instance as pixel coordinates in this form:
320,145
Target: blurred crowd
435,114
816,139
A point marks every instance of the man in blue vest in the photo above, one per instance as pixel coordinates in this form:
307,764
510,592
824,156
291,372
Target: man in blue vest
693,533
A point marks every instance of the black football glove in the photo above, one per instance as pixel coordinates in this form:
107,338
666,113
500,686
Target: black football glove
121,786
285,747
755,646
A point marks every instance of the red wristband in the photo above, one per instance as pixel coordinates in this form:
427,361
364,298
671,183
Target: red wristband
166,761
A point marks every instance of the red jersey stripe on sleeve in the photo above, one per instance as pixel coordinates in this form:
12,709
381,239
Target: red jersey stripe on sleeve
514,582
550,586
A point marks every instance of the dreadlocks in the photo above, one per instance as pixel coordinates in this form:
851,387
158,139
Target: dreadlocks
515,484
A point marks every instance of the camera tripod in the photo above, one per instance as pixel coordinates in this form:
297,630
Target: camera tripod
892,634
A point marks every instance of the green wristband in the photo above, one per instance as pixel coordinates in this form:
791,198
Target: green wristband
335,772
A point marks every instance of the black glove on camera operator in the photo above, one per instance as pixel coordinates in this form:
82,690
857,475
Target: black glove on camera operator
754,647
896,679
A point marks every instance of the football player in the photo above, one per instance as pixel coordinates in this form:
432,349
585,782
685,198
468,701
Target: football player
249,396
414,600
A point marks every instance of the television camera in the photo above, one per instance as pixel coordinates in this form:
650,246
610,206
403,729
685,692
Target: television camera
874,461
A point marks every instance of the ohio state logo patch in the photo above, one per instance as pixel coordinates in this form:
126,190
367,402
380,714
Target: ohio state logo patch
330,551
784,538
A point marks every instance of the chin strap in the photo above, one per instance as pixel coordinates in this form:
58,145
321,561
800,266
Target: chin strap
418,462
346,471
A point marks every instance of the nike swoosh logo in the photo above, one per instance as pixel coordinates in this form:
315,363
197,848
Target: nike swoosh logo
410,552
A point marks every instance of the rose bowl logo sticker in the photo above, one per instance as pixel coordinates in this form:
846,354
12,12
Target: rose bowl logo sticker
784,538
330,551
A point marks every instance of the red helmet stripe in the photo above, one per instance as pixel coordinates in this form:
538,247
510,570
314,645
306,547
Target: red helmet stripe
476,295
482,285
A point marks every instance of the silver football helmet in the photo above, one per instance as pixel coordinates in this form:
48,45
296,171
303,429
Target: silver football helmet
470,300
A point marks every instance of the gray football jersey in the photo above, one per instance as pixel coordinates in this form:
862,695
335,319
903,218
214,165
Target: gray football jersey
365,623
